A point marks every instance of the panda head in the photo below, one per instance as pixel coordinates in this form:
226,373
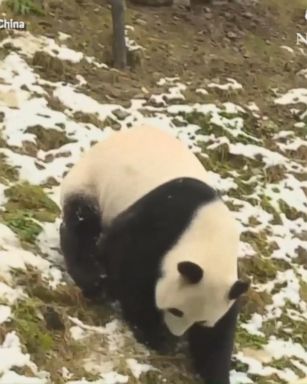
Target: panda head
199,275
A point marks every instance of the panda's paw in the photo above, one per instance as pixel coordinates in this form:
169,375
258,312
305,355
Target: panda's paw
142,336
156,341
156,344
94,291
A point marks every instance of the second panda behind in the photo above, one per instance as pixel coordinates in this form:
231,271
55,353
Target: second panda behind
167,243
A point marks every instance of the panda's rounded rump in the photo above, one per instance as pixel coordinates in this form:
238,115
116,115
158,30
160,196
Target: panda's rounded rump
122,168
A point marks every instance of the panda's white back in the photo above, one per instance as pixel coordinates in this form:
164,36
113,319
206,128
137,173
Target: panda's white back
124,167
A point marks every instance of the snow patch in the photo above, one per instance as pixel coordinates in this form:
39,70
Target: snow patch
231,85
138,369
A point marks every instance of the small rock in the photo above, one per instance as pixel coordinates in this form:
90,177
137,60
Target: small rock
179,123
140,22
232,35
116,127
248,15
9,46
121,114
49,158
48,63
50,35
53,319
24,87
38,165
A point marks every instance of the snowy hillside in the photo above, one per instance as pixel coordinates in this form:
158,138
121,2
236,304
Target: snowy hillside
48,332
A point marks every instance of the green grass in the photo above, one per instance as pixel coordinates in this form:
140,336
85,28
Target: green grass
25,7
23,225
30,327
27,205
206,127
48,139
259,241
7,172
303,290
298,328
265,203
33,200
290,212
254,302
284,363
245,339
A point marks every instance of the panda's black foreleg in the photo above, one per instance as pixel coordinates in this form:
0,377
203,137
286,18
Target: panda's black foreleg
146,325
144,320
79,233
211,348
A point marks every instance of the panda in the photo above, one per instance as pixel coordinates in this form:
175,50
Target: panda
141,222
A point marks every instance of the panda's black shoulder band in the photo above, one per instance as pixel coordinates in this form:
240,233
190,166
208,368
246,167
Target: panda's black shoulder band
193,188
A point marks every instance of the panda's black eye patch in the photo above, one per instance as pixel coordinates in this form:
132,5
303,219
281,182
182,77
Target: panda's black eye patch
176,312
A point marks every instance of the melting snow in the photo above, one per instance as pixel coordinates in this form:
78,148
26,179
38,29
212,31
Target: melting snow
30,44
231,85
11,355
109,378
13,377
5,313
10,295
294,96
137,369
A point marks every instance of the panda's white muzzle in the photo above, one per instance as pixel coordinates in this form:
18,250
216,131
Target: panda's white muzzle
177,326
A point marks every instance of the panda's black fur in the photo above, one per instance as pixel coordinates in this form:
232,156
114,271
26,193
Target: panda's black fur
150,227
80,231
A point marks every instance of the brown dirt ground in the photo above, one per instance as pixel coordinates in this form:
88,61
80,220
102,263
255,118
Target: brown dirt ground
238,39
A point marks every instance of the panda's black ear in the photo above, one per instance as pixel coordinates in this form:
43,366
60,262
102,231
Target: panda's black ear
238,288
191,272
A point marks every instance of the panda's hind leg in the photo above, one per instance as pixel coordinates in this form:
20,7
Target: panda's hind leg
79,232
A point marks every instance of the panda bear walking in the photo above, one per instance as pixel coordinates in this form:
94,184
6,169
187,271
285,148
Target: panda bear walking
138,208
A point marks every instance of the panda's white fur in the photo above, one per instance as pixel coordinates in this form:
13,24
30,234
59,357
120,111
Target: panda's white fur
120,170
128,164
